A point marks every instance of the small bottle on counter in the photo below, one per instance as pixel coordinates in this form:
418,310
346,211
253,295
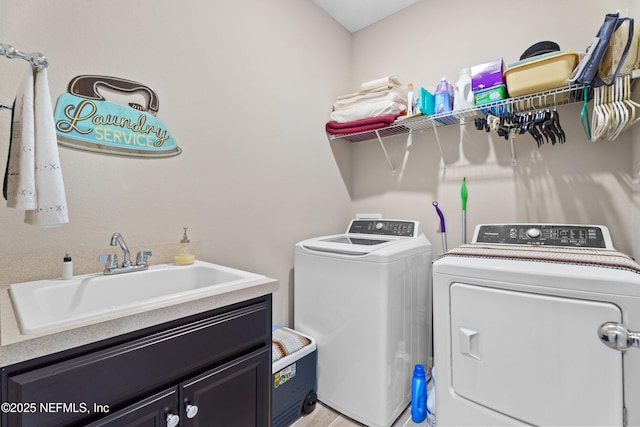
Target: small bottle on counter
67,267
185,256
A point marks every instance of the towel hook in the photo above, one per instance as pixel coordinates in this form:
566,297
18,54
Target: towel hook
37,60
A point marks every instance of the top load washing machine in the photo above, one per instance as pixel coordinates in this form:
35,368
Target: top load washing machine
365,297
535,324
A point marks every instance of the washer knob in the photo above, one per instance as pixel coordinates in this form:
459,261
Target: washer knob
533,233
379,226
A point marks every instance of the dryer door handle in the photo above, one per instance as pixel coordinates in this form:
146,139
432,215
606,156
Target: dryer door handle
616,336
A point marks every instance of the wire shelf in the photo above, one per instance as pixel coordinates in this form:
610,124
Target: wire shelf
547,99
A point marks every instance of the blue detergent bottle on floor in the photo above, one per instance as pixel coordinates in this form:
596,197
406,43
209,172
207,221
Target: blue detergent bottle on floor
418,394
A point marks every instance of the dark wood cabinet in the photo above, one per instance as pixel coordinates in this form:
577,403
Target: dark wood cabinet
150,412
232,395
205,370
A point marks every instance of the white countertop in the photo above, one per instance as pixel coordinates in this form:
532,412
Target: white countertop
16,347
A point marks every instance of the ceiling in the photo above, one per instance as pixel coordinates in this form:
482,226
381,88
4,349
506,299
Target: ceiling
357,14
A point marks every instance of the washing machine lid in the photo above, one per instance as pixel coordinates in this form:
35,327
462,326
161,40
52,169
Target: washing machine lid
358,245
346,244
376,239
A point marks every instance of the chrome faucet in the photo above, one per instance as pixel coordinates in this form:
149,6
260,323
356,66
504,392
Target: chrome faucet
111,261
117,239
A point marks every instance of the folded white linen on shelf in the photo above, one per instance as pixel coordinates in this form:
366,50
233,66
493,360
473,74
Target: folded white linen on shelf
367,110
398,95
383,82
381,97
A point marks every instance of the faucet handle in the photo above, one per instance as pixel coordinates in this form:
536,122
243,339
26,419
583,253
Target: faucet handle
110,261
141,258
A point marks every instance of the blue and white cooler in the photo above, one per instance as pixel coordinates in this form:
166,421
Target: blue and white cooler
294,361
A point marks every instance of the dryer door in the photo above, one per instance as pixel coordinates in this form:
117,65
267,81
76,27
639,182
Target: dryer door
535,358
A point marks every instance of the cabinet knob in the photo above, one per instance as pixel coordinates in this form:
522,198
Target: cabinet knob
192,411
172,420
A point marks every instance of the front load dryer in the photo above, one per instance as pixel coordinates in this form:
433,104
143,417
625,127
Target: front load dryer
535,325
365,298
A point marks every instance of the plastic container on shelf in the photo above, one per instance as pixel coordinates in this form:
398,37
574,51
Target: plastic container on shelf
410,101
540,73
426,102
463,96
492,94
444,97
486,75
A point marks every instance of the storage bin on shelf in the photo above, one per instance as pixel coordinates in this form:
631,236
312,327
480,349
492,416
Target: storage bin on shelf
485,76
294,378
540,73
492,94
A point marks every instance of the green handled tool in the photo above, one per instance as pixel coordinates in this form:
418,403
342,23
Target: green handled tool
463,194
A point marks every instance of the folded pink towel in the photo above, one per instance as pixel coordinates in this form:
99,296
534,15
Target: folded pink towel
362,125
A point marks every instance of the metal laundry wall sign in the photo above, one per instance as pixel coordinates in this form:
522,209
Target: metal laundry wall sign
86,120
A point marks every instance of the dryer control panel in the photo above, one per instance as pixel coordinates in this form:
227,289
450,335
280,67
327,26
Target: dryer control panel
584,236
383,227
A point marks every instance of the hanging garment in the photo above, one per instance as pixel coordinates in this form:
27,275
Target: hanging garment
34,177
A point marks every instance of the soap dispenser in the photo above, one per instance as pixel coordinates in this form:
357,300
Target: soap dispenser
184,256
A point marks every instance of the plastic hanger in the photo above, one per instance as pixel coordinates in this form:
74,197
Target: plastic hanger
631,104
601,114
584,113
622,109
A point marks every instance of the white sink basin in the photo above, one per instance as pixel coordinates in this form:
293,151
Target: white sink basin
44,305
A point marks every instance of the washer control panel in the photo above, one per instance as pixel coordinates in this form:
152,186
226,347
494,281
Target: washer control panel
383,227
584,236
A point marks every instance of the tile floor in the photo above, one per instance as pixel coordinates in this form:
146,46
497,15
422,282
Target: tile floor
323,416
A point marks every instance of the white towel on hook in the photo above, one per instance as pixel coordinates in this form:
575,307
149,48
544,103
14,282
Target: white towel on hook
34,175
21,184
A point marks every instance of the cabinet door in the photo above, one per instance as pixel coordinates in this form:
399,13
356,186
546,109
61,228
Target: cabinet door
151,412
236,394
535,358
